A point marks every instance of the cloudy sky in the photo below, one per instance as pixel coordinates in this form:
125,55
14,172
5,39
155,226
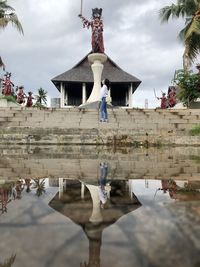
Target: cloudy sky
54,41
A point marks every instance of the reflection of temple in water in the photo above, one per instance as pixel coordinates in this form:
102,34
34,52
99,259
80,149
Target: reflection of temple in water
81,203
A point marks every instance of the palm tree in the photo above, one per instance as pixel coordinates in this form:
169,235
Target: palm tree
8,15
190,34
41,97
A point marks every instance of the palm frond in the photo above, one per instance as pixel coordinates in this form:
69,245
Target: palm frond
192,28
193,47
13,19
189,6
4,6
173,11
7,15
182,35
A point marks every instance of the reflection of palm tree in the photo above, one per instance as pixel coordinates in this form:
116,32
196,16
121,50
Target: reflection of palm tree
40,186
8,262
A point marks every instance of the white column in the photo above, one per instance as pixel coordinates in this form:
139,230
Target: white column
66,97
83,93
96,215
127,98
130,188
109,99
62,95
130,90
61,187
97,61
82,190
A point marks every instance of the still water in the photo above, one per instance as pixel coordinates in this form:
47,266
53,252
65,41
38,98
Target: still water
99,207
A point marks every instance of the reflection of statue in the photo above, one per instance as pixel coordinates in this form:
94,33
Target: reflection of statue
19,187
28,185
96,25
80,209
181,193
5,197
7,85
170,186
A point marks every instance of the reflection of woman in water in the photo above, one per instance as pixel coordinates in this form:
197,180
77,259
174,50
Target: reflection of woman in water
103,195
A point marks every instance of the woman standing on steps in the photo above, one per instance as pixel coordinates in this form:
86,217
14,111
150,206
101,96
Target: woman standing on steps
103,105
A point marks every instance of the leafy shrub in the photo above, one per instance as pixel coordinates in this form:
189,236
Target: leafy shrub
9,98
189,86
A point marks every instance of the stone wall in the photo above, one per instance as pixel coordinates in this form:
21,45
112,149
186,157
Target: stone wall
82,162
82,126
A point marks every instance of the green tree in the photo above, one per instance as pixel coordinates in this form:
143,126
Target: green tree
189,86
8,15
190,34
41,98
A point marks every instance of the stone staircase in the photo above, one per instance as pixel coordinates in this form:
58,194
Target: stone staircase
75,125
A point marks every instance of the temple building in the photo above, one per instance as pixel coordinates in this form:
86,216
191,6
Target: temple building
75,85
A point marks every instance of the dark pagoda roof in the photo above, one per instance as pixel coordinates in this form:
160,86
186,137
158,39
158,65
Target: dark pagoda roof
82,72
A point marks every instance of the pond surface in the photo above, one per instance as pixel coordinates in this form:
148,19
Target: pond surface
99,207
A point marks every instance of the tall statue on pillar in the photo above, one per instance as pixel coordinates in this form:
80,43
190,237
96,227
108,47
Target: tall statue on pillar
97,57
96,25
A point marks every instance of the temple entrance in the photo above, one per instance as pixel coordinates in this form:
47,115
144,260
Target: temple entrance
118,94
74,94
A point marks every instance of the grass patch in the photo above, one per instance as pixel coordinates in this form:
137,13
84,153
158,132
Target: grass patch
195,130
9,98
38,105
195,158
